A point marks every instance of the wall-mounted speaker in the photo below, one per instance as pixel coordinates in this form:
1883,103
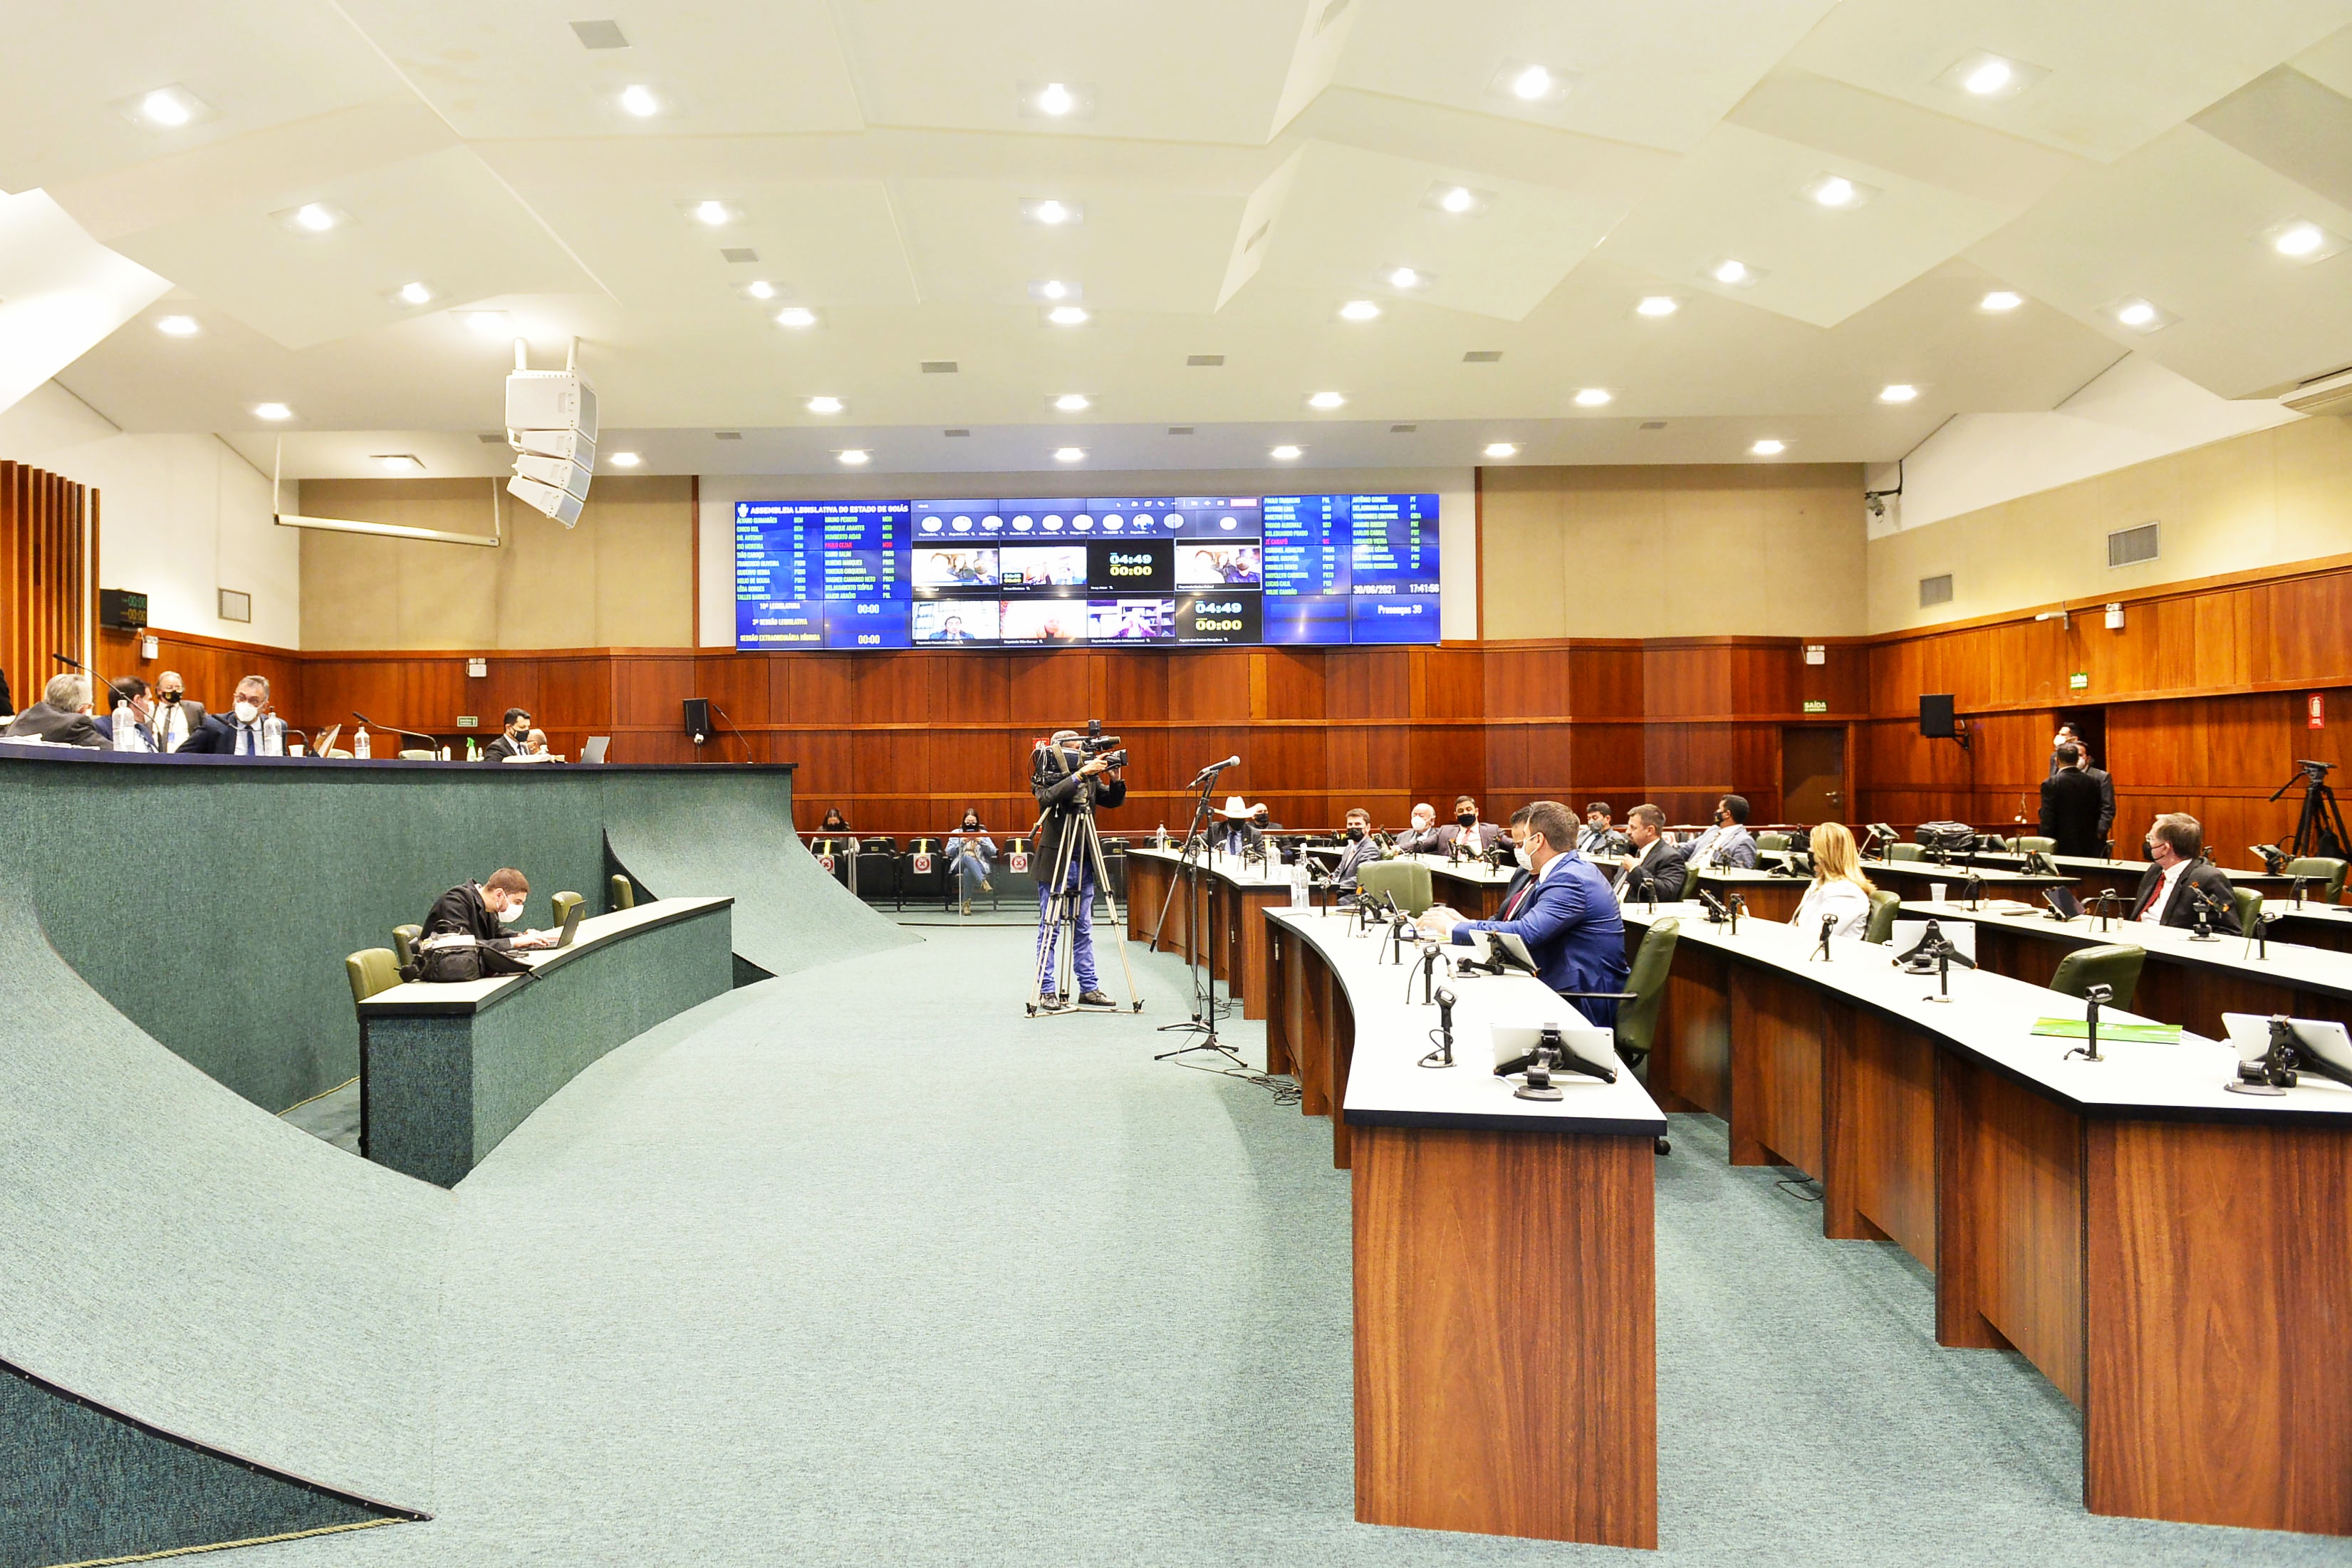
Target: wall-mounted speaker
698,718
1937,720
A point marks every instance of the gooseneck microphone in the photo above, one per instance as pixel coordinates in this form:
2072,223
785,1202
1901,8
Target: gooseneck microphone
1444,1055
430,744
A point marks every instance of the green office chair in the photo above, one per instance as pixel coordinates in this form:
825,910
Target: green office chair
370,971
1407,881
2118,965
564,905
624,892
1997,844
1765,841
1885,906
2319,868
404,944
2030,844
2248,904
1645,992
1906,852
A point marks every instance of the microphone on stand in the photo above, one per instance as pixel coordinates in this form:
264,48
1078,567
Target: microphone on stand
430,744
120,694
1214,768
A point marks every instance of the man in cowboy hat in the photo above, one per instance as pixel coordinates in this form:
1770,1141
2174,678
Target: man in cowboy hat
1243,829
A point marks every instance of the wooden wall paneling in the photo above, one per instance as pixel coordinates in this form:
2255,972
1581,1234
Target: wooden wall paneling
808,688
976,761
737,685
974,688
1755,769
650,692
1368,683
1211,686
1046,690
2306,624
1604,682
890,772
1608,763
43,609
1842,679
1527,682
1685,680
1508,771
892,687
1447,761
1288,684
1448,683
1763,677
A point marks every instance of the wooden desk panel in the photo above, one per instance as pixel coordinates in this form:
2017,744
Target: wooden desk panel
1690,1058
1879,1132
1471,899
1506,1340
1340,1051
2219,1378
1148,881
1284,954
1776,1071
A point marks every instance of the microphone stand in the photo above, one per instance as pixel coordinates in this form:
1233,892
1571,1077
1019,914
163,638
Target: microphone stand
743,739
2093,998
1736,903
430,744
1829,924
1444,1055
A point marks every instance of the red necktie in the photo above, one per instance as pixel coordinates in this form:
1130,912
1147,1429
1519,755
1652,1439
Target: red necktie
1511,905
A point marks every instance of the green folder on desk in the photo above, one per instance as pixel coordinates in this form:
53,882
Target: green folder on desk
2139,1033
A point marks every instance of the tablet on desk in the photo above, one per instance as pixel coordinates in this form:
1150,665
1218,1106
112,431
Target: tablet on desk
1592,1053
2324,1046
595,748
1961,934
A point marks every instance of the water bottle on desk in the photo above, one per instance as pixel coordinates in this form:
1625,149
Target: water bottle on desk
360,746
273,737
126,727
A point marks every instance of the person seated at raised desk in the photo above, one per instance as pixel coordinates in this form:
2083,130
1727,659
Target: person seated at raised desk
1421,837
972,855
2071,806
1727,845
131,693
1840,892
1362,849
1570,922
483,910
1466,834
1600,838
2179,879
535,744
62,716
1241,829
178,718
1652,868
239,734
514,736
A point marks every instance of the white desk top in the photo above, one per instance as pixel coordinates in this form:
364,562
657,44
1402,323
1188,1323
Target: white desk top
1387,1089
419,997
1232,868
2305,968
1476,871
1990,1017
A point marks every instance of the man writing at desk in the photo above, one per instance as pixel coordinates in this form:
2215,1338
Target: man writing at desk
1570,922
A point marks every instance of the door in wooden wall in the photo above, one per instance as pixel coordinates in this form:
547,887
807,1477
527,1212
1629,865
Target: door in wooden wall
1813,773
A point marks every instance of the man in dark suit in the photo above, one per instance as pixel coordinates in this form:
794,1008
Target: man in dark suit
62,715
132,693
2172,888
1570,922
484,911
178,718
2070,806
513,738
2106,784
1466,834
238,733
1653,863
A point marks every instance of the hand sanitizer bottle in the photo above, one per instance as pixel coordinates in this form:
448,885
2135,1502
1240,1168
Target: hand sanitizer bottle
360,746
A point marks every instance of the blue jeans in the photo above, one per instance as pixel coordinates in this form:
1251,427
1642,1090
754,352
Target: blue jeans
970,869
1080,875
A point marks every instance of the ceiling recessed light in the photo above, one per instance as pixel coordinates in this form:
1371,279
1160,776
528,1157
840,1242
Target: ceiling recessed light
1734,272
167,108
1898,391
855,455
760,289
2001,299
712,214
1325,400
1056,100
1592,397
1068,316
796,315
1768,447
177,326
1069,455
313,218
1405,277
2141,314
639,99
2300,239
1657,305
1502,449
1056,290
623,459
488,323
272,411
1074,403
398,462
1359,310
826,405
1283,454
415,294
1837,192
1053,213
1988,77
1532,83
1449,197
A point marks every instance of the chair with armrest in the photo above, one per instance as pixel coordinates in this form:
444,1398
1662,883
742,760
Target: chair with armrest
2325,873
1645,992
564,904
2115,964
2248,905
1906,852
623,892
1767,842
1885,906
371,970
2032,843
403,945
1407,881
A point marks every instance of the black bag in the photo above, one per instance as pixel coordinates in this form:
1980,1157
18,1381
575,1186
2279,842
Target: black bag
1954,838
456,962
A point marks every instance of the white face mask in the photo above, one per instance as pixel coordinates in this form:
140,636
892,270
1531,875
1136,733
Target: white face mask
247,713
1520,853
511,914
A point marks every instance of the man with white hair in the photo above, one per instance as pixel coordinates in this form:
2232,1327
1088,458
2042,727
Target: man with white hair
1420,838
62,715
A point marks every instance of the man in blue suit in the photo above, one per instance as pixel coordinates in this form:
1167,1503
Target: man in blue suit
1565,913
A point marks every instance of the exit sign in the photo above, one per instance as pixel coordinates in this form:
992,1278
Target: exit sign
1817,706
2080,681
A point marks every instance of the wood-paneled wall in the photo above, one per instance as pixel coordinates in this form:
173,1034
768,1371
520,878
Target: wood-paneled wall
46,601
2202,694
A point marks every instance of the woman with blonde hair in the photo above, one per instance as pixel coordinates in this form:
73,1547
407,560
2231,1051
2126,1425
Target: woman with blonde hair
1839,887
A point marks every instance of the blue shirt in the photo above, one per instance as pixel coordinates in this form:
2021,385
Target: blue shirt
1573,931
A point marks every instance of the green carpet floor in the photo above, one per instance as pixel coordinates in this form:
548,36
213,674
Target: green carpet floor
862,1266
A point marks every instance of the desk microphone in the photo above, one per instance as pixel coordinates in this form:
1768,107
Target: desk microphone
1829,924
1444,1055
120,694
430,744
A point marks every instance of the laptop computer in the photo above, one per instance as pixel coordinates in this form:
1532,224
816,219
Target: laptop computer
571,924
595,748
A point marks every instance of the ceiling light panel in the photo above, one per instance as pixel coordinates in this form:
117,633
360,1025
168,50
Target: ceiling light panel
964,242
313,218
1052,212
168,108
1057,102
1457,198
1531,84
2301,240
2097,80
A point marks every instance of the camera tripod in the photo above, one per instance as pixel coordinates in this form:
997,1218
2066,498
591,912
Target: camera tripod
1058,926
1197,964
2320,829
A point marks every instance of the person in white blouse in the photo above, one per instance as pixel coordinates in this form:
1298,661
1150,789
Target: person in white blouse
1839,890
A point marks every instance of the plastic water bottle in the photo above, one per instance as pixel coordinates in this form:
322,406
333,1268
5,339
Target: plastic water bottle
126,728
1299,895
360,746
273,737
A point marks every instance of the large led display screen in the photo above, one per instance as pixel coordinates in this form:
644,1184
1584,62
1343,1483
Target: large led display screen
1128,570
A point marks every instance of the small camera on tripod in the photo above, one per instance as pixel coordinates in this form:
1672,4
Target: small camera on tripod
1051,759
1100,748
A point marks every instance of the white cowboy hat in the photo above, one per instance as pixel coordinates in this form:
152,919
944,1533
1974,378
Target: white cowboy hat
1234,809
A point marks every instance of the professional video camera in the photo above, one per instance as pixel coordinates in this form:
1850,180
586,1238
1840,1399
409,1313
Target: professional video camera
1096,746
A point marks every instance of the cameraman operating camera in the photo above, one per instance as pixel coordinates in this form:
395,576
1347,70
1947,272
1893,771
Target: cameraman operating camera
1070,775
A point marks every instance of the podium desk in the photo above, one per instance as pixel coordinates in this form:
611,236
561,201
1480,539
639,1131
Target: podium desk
2165,1251
447,1070
1506,1339
1231,937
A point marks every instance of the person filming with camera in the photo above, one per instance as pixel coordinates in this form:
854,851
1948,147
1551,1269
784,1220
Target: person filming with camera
1071,775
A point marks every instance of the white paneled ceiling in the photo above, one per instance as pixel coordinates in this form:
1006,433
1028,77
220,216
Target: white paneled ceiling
1239,171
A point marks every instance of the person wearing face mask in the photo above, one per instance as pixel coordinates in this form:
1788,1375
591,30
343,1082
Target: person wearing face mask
2065,737
973,854
1727,845
484,911
1361,851
179,718
1652,868
1601,836
1466,833
514,739
62,716
131,693
2179,879
535,744
1420,838
1566,914
239,733
1240,832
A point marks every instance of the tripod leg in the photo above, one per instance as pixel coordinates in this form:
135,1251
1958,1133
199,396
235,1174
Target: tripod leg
1118,938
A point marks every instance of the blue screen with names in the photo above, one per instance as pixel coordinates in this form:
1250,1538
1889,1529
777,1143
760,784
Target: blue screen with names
1138,570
